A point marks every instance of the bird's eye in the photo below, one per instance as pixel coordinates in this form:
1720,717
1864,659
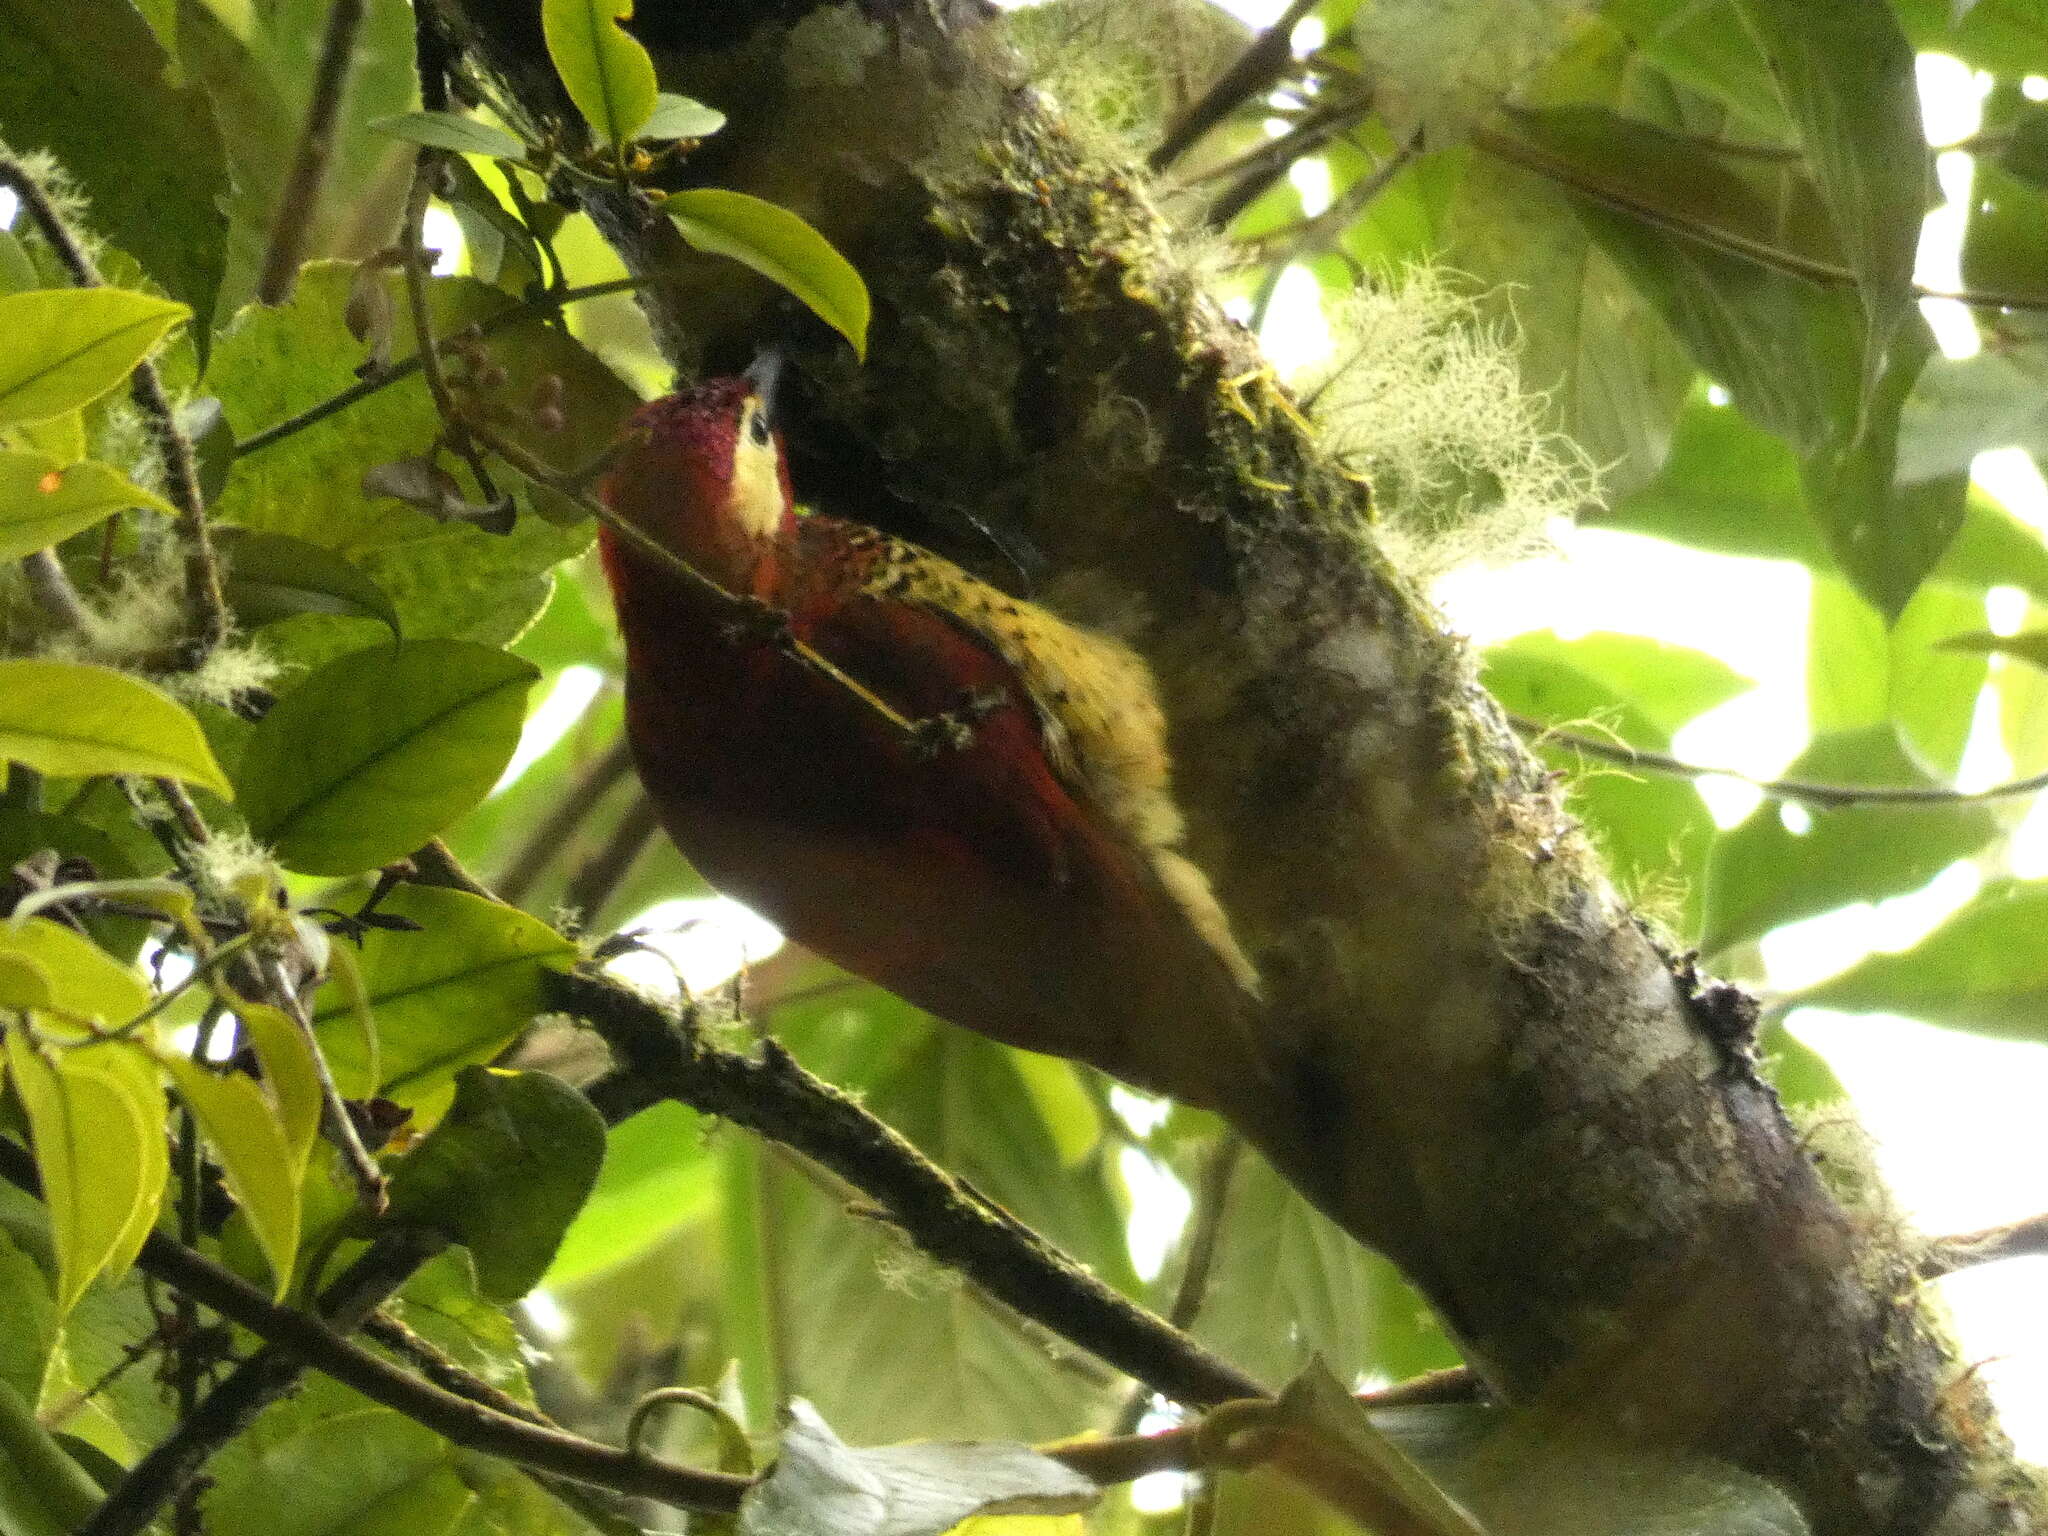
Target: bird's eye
757,428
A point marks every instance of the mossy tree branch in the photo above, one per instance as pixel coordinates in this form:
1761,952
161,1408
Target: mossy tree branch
1476,1058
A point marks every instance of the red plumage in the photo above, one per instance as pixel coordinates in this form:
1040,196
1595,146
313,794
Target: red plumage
1025,881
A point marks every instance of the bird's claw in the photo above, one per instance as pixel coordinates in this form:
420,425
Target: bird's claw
953,731
753,621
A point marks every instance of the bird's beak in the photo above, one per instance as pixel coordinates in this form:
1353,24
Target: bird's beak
764,373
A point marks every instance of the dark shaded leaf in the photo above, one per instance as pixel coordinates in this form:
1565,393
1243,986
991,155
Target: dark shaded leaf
273,576
88,82
504,1174
451,131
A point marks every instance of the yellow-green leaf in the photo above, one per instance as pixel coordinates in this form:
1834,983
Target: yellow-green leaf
85,981
68,346
73,720
94,1136
782,248
256,1157
25,982
61,437
607,72
290,1073
457,991
43,500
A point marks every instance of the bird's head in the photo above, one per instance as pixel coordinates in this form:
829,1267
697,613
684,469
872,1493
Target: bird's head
703,472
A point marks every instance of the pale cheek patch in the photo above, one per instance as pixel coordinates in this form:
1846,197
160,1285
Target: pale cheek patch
757,490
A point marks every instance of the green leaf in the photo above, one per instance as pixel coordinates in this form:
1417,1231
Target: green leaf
1761,874
456,992
442,579
43,1492
1705,49
25,982
25,1301
452,131
679,117
256,1159
1286,1285
504,1174
606,71
2003,242
89,83
782,248
68,346
925,1360
2030,646
1844,72
1932,693
44,501
657,1177
17,272
272,576
97,1126
71,720
323,1463
86,981
23,833
1985,970
376,752
291,1076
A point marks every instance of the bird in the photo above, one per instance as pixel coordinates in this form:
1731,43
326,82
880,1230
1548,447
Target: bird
970,802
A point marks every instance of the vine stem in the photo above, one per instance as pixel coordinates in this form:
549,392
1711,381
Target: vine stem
212,619
539,308
291,227
1807,791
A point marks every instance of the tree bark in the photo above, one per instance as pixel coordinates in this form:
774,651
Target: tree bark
1477,1059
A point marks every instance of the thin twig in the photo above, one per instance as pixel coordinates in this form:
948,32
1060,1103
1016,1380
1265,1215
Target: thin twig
415,268
2014,1240
1734,243
743,610
1805,791
1333,220
335,1119
203,590
1250,73
661,1057
554,833
291,227
1315,130
539,308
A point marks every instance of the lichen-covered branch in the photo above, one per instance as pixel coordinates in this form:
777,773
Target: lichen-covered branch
1474,1056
